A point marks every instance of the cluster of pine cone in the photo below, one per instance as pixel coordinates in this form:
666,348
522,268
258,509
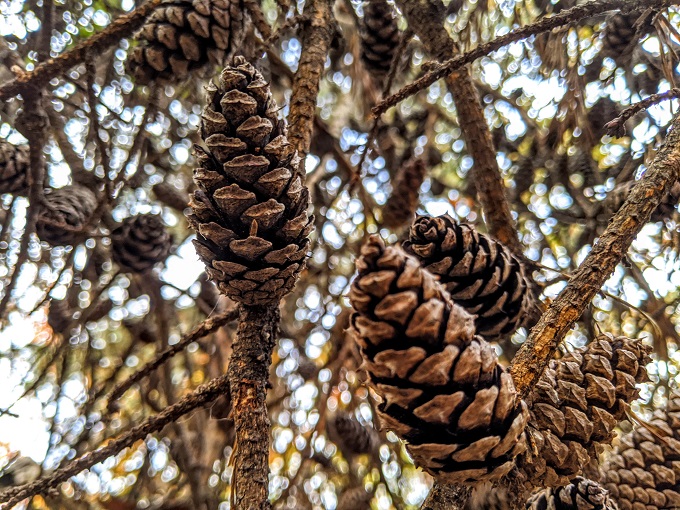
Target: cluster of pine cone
424,314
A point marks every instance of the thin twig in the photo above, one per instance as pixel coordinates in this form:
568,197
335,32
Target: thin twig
617,126
203,395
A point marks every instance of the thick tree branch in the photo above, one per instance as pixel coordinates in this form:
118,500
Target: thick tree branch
426,18
566,17
248,382
203,395
317,32
43,73
587,280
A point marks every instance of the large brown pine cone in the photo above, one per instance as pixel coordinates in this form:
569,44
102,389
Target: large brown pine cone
580,494
14,164
643,472
400,208
481,274
183,36
140,242
619,35
443,390
576,405
67,213
616,197
250,209
379,38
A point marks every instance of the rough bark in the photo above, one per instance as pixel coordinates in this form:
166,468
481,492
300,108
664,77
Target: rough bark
447,497
248,381
317,32
425,18
587,280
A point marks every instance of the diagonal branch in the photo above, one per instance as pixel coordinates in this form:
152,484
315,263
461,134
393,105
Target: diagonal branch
43,73
588,279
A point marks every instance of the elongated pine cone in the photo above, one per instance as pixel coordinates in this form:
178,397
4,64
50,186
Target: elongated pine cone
68,211
379,38
14,164
443,390
616,197
481,274
400,208
351,436
140,242
250,209
619,35
576,405
643,472
183,36
580,494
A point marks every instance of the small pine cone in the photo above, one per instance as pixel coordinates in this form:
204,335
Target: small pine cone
642,472
524,175
355,499
183,36
619,35
577,403
66,214
250,211
616,197
307,368
351,436
171,196
14,164
580,494
583,164
400,208
603,111
142,331
442,388
140,242
481,274
379,38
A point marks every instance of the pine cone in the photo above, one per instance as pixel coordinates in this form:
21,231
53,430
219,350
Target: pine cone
583,164
171,196
67,213
14,164
481,274
351,436
616,197
642,472
442,388
400,208
379,38
580,494
619,35
603,111
59,316
524,176
576,405
250,211
140,242
355,499
183,36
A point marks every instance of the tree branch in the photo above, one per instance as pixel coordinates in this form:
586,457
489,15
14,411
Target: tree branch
572,15
317,32
426,19
587,280
44,72
248,382
617,127
203,395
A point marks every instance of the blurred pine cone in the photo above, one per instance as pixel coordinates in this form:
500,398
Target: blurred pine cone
355,499
580,494
171,196
442,388
619,35
68,211
524,175
583,164
140,242
576,405
642,472
59,316
481,274
603,111
400,208
379,38
351,436
14,164
250,211
183,36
